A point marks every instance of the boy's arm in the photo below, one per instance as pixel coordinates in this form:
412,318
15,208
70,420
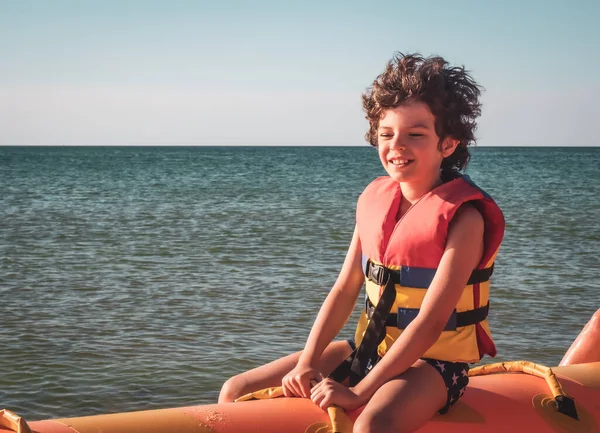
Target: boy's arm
463,252
332,317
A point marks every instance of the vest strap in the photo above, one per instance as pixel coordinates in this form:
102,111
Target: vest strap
406,315
421,278
357,365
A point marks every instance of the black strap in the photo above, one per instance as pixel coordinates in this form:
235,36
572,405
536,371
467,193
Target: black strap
457,320
356,365
472,317
480,275
378,273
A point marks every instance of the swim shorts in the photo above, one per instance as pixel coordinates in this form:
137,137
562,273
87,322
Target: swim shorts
456,377
454,374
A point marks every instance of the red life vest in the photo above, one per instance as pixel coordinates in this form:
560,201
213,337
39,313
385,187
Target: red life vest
412,249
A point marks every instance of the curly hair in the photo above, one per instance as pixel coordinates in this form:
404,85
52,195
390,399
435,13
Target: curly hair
450,93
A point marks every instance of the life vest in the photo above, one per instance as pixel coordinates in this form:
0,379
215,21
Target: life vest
411,249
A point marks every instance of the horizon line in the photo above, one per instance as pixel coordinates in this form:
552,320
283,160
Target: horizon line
281,145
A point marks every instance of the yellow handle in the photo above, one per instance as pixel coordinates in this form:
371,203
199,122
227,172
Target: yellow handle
263,394
340,421
526,367
13,421
564,403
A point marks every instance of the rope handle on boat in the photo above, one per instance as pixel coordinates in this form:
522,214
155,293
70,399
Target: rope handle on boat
564,403
340,421
13,421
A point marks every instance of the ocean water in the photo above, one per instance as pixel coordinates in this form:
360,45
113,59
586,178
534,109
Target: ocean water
135,278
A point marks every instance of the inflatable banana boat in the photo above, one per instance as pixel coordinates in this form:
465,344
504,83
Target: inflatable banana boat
504,397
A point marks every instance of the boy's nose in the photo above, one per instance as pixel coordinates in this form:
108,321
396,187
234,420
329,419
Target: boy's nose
398,143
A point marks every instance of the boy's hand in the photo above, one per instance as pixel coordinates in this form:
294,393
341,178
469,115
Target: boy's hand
330,393
297,383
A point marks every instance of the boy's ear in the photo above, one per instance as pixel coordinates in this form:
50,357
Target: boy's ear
448,146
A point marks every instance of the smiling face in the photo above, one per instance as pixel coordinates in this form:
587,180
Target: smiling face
408,145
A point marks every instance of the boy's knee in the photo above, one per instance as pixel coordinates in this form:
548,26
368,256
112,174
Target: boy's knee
381,423
370,424
376,423
231,389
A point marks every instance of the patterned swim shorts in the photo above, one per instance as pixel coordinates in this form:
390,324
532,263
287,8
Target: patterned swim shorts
454,374
456,377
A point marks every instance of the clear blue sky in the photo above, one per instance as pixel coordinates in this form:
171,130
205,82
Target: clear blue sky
289,73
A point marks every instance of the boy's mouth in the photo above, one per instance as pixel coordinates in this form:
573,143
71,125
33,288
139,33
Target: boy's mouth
397,162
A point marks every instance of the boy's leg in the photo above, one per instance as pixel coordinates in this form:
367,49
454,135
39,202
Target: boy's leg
405,403
271,374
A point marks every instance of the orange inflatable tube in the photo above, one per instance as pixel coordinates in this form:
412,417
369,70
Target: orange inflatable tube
505,402
506,397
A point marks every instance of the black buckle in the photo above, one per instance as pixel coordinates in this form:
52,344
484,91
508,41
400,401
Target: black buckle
378,274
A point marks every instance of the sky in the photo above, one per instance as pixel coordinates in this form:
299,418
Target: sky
226,72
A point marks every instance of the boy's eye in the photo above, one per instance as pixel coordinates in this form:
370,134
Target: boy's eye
414,134
385,134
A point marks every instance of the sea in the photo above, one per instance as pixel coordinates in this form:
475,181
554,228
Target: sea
136,278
